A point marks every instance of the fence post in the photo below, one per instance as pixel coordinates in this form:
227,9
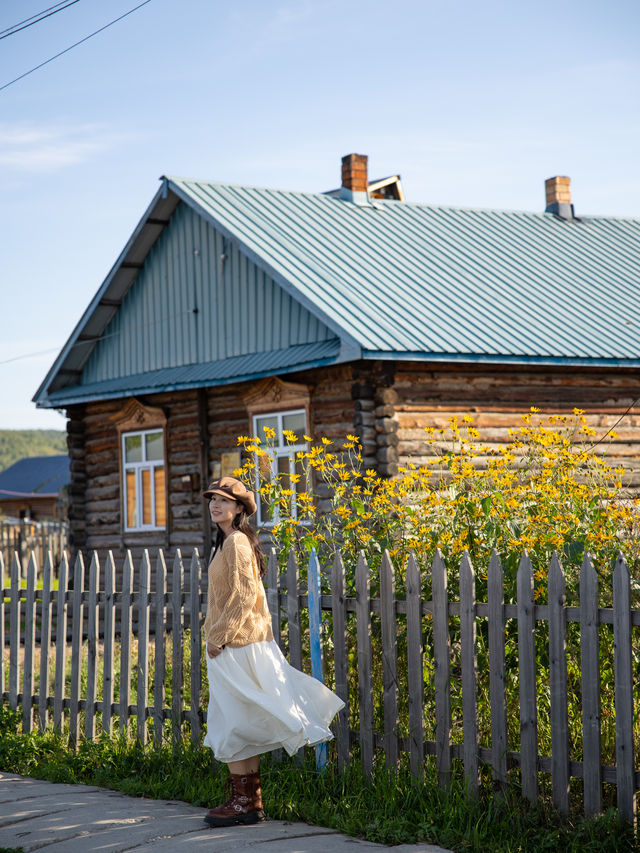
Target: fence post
77,619
339,613
468,654
2,636
625,776
497,675
196,645
142,664
315,640
273,593
365,685
45,642
590,682
527,682
177,678
61,643
388,628
293,611
160,657
126,599
15,631
441,661
29,644
558,686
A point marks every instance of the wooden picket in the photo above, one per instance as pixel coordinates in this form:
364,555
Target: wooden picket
117,611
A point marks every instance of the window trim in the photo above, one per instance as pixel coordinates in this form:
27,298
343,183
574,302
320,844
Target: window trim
138,468
280,451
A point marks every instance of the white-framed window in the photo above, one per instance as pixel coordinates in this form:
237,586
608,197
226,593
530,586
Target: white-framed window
270,427
144,480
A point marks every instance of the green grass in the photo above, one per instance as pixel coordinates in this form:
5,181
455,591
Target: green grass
389,809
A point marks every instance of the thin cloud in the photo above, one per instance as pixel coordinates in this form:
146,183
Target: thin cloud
48,148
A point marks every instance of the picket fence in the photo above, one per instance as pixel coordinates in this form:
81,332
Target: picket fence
93,612
33,537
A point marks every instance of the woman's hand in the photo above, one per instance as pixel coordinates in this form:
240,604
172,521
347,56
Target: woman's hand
213,651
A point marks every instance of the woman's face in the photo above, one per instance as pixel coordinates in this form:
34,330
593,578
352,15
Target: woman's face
223,511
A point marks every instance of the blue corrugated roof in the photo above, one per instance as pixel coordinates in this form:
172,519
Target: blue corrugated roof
41,475
236,369
413,278
393,280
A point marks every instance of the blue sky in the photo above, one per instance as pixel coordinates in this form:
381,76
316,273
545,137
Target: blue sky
474,104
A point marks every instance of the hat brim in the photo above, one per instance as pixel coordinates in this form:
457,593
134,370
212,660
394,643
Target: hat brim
249,503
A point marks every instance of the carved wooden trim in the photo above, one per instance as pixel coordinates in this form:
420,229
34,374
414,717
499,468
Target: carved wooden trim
273,394
135,416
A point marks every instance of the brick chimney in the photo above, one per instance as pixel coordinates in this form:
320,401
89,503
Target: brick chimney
558,197
355,180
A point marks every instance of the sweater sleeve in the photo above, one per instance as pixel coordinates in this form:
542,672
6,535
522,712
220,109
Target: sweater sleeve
241,582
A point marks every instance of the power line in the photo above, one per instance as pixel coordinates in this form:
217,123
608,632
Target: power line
35,19
67,49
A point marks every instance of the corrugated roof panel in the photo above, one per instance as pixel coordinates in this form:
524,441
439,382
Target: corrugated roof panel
403,277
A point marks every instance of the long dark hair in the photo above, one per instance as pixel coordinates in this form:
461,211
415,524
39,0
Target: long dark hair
241,523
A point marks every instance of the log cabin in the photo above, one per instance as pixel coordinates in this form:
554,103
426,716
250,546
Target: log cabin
233,308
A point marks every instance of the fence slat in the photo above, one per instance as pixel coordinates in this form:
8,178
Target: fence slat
273,593
527,682
29,644
14,635
558,686
414,665
590,679
77,624
45,642
196,645
441,662
109,644
497,673
389,660
177,679
92,648
160,657
2,618
142,667
61,644
126,601
365,685
468,660
625,776
339,613
315,639
293,611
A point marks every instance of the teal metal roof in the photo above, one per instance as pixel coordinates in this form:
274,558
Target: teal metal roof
403,279
385,279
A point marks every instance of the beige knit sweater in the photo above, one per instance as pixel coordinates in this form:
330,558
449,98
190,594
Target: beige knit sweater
237,612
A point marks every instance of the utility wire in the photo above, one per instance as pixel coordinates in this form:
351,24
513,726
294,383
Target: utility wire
35,19
67,49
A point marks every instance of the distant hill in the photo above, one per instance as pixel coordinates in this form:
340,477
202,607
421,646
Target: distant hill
17,443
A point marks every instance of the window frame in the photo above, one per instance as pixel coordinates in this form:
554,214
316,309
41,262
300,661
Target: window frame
282,450
138,468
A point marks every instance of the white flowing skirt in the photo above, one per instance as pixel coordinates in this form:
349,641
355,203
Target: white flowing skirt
258,702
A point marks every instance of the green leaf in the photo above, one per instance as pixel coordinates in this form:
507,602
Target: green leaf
485,503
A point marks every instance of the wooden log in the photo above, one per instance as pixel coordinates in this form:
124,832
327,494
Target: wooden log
468,653
109,643
293,612
92,649
126,621
15,632
558,686
590,681
365,684
160,657
61,644
527,682
625,776
177,656
389,660
29,645
340,652
77,623
414,665
196,645
143,648
45,641
441,660
497,673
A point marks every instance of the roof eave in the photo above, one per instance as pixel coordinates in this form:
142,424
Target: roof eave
489,358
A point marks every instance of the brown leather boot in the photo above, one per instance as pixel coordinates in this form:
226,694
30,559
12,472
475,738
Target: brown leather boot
244,805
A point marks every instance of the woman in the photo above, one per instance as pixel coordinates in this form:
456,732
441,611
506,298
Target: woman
257,702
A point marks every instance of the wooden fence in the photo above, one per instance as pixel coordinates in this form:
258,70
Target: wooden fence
33,537
405,664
